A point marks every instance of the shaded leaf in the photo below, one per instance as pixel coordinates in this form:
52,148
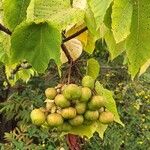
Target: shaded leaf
37,43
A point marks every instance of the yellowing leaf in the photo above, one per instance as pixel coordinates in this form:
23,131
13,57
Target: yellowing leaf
76,28
74,47
144,67
80,4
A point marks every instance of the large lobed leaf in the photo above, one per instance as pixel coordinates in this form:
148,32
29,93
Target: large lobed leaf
121,19
138,44
58,12
37,43
14,12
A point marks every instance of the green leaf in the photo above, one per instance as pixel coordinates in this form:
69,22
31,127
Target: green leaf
114,48
121,19
59,12
88,130
98,9
14,12
93,68
4,48
138,45
90,45
37,43
110,102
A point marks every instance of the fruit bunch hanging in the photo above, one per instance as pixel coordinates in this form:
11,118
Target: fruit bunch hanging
69,106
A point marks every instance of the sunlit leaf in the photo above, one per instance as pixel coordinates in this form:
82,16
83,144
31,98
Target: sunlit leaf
93,68
110,102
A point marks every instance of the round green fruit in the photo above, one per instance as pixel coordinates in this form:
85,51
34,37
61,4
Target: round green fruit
61,101
86,94
55,119
80,108
106,117
50,93
91,115
88,81
77,121
96,102
37,117
68,113
65,127
72,92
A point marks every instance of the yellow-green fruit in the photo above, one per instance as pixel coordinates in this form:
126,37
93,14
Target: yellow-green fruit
106,117
96,102
88,81
86,94
72,92
49,105
77,121
68,113
50,93
55,119
80,108
37,117
61,101
91,115
65,127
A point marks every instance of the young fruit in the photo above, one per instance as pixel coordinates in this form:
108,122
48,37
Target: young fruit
86,94
50,93
54,119
77,121
61,101
88,81
91,115
96,102
106,117
72,92
49,105
68,113
80,108
65,127
37,117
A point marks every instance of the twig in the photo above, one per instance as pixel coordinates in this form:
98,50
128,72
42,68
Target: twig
65,50
4,29
69,71
21,66
75,35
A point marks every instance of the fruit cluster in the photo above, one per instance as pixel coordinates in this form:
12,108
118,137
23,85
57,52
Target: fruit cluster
72,105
